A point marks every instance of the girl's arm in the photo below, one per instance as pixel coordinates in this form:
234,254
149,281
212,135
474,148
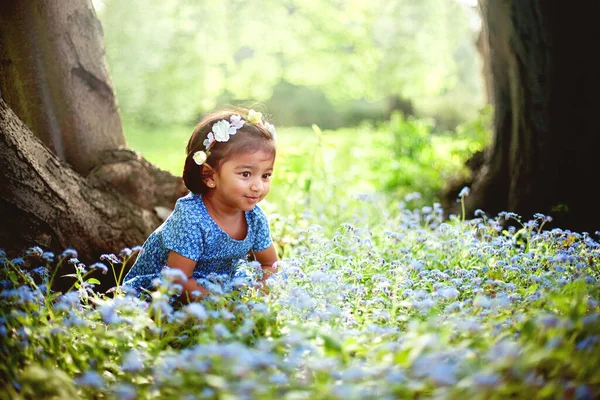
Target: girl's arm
176,260
267,258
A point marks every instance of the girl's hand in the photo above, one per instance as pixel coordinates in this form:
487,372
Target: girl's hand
186,265
264,288
267,272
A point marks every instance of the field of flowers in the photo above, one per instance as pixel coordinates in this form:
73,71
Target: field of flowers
377,297
393,302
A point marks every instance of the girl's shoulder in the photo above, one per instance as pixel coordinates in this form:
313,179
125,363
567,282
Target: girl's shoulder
256,210
189,200
257,215
191,207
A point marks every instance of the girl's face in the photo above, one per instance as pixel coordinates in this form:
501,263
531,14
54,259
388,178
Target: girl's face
244,180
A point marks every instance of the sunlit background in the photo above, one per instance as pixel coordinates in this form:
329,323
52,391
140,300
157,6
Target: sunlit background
387,94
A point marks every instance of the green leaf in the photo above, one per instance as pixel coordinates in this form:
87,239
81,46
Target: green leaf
331,344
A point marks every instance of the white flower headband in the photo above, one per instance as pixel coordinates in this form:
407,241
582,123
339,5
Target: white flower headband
223,129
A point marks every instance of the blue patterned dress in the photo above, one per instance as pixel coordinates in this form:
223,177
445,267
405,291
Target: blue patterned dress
191,232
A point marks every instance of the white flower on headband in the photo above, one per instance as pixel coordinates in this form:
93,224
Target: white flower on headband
221,130
255,117
200,157
236,122
271,128
209,140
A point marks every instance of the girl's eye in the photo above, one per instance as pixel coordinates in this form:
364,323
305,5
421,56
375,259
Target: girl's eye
267,176
246,174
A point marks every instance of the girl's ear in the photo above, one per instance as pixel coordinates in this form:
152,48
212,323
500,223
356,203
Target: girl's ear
207,172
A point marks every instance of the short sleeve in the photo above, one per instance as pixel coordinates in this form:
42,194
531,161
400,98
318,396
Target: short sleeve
262,236
182,234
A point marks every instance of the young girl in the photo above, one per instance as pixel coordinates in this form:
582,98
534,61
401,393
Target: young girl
228,168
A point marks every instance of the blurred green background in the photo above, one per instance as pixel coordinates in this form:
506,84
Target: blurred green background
384,96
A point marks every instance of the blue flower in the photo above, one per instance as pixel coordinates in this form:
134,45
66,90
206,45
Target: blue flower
34,252
132,362
486,379
111,258
109,314
125,391
18,262
99,266
125,252
278,378
588,343
48,257
482,302
69,253
68,301
91,379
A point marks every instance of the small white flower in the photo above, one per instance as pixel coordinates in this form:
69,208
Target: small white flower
255,117
174,274
200,157
208,141
197,310
464,192
482,302
236,122
271,128
221,331
221,130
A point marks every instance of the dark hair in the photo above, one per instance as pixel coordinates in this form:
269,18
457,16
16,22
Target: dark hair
248,139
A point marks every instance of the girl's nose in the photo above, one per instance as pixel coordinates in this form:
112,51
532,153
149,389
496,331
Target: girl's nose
256,185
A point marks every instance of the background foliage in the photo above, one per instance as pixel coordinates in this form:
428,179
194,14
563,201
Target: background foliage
326,62
315,167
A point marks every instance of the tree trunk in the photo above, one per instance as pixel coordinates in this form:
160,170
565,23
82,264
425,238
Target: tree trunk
483,47
55,78
545,85
44,202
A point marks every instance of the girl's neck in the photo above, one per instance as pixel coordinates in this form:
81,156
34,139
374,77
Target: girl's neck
231,220
219,210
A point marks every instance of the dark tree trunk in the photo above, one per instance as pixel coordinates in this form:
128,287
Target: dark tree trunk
483,47
55,82
545,85
44,202
55,78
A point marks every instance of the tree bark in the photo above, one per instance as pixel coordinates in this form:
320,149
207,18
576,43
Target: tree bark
55,81
483,47
55,78
44,202
545,85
